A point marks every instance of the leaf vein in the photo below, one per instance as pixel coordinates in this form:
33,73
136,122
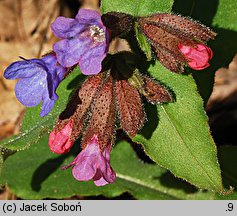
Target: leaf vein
144,184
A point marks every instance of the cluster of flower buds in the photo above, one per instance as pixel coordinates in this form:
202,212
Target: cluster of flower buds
176,41
92,113
112,94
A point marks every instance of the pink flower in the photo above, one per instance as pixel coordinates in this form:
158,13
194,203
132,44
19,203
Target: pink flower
60,142
92,163
198,57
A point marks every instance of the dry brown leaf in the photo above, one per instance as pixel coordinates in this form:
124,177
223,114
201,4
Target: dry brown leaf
225,86
25,32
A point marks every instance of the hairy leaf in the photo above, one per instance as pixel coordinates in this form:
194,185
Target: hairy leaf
177,134
136,7
35,174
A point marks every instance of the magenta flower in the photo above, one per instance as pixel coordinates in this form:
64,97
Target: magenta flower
197,57
38,81
92,163
84,41
60,142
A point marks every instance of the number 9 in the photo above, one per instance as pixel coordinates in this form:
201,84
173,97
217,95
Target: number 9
230,206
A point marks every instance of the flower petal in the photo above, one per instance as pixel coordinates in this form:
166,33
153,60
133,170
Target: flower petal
107,172
88,15
60,142
55,74
86,162
107,177
29,91
24,69
198,57
99,179
66,27
85,169
90,62
91,163
47,105
70,51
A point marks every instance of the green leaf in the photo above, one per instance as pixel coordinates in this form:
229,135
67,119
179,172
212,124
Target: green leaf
35,174
143,43
225,16
137,7
4,153
177,134
34,126
224,22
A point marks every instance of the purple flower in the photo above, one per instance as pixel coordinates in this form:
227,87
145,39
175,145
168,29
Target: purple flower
92,163
38,80
84,41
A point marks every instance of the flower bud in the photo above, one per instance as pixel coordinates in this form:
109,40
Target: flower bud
197,57
102,121
154,92
119,24
167,33
70,123
59,142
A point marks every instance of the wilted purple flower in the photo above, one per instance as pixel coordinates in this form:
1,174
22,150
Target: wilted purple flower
84,41
92,163
38,80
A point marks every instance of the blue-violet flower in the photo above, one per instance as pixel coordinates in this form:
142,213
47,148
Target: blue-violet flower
84,41
38,80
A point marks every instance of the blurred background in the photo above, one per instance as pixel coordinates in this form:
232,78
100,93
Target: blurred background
25,31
